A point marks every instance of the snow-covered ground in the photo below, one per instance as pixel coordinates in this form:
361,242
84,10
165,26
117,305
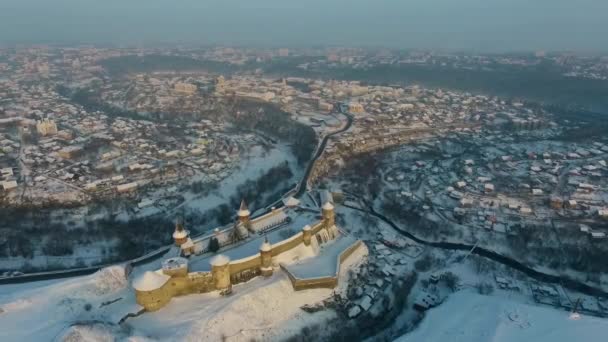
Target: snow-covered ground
264,308
42,311
324,265
254,164
470,317
89,308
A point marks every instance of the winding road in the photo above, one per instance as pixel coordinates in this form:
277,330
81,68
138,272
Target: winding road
302,186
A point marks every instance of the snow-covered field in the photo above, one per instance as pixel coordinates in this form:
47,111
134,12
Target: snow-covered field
470,317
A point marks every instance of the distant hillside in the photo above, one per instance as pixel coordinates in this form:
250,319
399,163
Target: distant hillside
543,83
539,84
148,63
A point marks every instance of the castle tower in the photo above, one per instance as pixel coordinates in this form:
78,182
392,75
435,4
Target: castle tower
328,215
243,213
175,267
220,271
180,235
266,256
307,234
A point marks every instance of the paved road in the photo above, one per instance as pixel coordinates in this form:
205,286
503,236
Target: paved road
302,186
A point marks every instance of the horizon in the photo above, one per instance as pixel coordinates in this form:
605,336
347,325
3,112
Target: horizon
469,25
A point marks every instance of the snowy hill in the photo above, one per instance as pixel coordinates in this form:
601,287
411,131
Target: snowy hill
43,311
469,317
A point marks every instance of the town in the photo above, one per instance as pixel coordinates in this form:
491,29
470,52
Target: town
244,180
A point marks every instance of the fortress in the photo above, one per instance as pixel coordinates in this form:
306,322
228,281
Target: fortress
178,275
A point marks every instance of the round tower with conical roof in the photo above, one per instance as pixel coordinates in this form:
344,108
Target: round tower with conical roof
243,213
307,234
220,271
180,235
266,258
328,214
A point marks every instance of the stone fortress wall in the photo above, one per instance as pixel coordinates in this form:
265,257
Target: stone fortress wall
157,288
322,282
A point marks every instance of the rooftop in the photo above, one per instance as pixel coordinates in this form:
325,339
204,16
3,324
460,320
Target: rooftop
150,281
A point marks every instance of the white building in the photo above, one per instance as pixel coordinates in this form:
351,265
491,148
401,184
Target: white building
46,127
185,88
9,185
126,187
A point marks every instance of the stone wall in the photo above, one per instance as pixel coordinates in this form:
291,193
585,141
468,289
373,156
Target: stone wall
322,282
201,282
237,266
348,252
155,299
310,283
317,227
287,244
195,282
245,276
223,276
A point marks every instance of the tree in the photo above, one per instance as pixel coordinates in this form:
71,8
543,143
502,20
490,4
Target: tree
424,264
224,214
451,280
484,288
214,244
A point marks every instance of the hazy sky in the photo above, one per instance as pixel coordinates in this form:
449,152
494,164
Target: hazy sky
448,24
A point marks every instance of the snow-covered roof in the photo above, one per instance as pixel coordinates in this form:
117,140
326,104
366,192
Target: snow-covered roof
180,234
291,202
189,243
243,210
150,281
173,263
328,206
219,260
269,220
